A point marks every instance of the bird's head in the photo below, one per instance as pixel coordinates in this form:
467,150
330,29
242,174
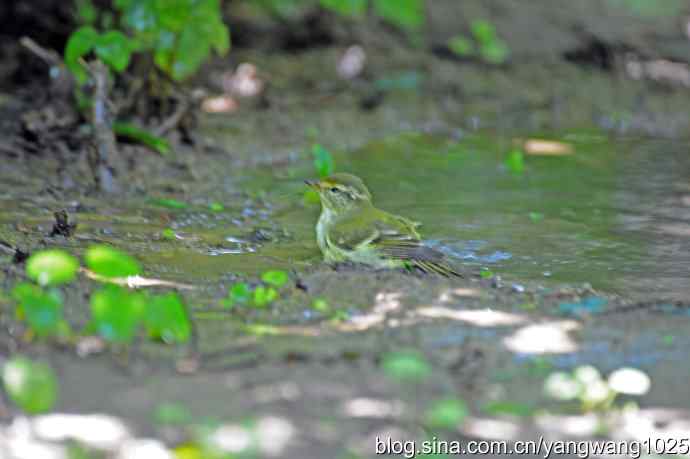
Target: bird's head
341,192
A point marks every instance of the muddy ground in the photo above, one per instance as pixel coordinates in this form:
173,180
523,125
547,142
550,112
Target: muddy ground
304,385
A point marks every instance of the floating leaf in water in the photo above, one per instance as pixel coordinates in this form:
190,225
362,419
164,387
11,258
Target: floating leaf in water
486,273
483,31
508,407
166,318
134,132
42,310
216,207
52,267
275,278
323,160
32,386
169,234
321,305
589,305
446,414
169,203
407,365
536,217
264,295
172,414
110,262
239,293
117,312
515,161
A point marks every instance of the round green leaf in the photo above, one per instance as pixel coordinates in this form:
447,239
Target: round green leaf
110,262
113,47
446,414
79,44
406,366
117,312
41,310
52,267
275,278
32,386
166,318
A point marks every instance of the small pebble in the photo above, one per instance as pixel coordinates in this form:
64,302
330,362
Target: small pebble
517,288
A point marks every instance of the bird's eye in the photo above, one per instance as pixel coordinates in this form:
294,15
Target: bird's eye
334,190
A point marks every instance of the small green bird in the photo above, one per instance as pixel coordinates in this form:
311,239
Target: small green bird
350,228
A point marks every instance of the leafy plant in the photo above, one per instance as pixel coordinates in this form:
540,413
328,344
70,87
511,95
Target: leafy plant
133,132
32,386
484,43
179,34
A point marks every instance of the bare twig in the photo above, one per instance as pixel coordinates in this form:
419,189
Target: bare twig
48,55
136,281
173,120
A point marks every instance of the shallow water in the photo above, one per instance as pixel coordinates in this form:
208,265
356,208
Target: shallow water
615,214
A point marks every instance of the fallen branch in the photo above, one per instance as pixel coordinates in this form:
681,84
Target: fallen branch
136,281
173,120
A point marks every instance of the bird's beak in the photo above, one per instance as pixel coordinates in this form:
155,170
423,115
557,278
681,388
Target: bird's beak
315,184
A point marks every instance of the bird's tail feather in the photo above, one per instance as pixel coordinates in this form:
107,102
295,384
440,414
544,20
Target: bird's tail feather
437,267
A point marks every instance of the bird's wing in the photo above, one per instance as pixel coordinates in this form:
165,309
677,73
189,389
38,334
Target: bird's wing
393,239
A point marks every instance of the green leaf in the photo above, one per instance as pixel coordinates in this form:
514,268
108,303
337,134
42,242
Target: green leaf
408,14
169,234
461,46
79,44
536,216
495,52
486,273
133,132
508,407
110,262
483,31
86,12
189,54
31,385
264,295
166,319
321,305
117,312
409,365
41,310
114,48
275,278
169,203
323,160
239,293
52,267
515,161
346,7
216,207
172,414
446,414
